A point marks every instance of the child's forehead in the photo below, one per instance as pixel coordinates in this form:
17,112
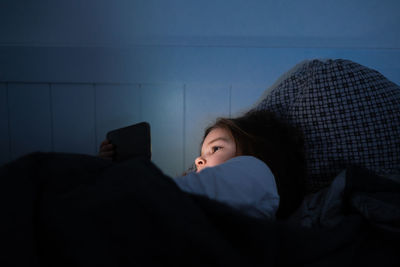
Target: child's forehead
218,132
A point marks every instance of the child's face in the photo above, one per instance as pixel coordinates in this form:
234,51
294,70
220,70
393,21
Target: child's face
218,147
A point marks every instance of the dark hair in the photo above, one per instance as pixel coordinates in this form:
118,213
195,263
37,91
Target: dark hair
261,134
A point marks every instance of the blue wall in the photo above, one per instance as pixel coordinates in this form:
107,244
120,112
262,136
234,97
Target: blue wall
72,70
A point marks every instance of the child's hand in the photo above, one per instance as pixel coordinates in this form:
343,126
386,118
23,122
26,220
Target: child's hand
106,150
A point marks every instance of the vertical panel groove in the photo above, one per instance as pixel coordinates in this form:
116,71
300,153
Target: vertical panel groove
8,125
51,116
230,101
140,88
95,118
184,129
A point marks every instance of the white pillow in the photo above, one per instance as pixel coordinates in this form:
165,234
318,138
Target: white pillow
245,183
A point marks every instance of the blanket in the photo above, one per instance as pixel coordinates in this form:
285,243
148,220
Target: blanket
77,210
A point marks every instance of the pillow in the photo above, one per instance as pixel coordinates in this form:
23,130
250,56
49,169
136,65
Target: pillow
349,115
244,183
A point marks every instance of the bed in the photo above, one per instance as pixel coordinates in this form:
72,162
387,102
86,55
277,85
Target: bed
79,210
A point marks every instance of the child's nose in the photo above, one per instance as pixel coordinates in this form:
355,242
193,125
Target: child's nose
200,162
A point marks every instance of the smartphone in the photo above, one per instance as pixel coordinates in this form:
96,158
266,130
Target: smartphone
131,141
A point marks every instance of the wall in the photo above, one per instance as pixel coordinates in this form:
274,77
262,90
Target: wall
72,70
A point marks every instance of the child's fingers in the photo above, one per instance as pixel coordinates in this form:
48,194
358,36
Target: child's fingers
105,142
107,154
108,147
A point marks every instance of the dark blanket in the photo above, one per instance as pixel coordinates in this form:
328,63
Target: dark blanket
76,210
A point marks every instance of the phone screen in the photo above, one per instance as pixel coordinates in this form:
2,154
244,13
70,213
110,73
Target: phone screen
131,141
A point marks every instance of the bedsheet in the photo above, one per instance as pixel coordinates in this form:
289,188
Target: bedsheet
68,209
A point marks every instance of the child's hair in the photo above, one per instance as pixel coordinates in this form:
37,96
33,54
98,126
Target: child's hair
262,135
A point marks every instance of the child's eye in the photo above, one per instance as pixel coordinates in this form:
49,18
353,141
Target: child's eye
215,148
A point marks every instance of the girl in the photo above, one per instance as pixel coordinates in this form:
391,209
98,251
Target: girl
254,163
